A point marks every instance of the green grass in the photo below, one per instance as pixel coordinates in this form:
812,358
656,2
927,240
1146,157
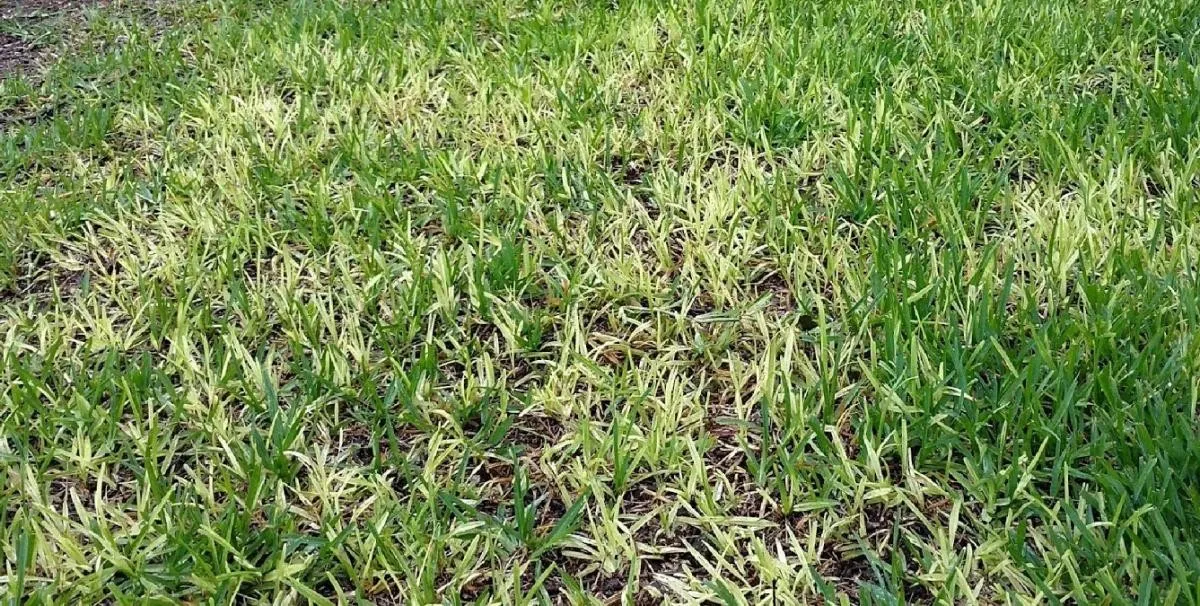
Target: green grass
752,302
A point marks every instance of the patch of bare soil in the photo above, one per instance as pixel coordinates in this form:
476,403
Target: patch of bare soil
17,53
37,9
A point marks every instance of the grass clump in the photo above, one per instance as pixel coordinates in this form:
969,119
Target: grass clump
620,302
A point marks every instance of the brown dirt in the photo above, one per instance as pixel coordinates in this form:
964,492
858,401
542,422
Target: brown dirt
17,53
36,9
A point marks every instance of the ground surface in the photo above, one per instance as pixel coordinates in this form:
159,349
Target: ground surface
25,26
743,302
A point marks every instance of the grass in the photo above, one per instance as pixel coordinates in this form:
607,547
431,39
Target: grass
447,301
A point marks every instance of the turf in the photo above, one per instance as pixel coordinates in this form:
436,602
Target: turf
448,301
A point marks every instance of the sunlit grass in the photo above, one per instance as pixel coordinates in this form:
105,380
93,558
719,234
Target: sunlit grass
483,302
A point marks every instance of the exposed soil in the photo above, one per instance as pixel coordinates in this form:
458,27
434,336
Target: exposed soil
17,53
36,9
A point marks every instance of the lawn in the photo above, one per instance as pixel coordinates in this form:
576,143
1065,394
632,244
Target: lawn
629,302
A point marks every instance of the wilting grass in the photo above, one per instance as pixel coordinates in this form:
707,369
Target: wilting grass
736,302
